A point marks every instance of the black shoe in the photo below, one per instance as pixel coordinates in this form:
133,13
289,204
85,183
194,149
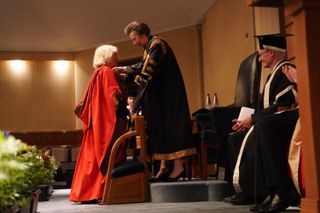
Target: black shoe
230,198
160,178
277,204
174,179
242,199
262,205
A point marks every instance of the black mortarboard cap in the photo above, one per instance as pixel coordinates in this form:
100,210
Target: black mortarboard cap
273,41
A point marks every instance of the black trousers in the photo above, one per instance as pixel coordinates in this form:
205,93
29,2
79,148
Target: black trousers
232,147
246,168
273,135
264,159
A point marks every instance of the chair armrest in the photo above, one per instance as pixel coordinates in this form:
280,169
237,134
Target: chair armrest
114,150
215,124
223,120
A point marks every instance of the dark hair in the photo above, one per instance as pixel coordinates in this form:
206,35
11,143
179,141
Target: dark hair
139,27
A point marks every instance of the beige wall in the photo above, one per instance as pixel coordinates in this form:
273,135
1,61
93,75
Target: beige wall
266,21
83,69
38,98
228,38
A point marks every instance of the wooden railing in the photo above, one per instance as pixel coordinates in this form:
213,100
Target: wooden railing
51,139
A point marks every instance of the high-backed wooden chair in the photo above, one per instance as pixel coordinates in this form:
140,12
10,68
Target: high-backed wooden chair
213,127
128,182
215,124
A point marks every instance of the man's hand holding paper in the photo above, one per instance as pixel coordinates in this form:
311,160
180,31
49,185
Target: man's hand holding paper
244,120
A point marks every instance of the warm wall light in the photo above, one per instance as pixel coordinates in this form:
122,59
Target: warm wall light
61,67
18,67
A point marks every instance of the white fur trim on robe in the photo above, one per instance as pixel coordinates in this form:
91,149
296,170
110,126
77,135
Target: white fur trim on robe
236,171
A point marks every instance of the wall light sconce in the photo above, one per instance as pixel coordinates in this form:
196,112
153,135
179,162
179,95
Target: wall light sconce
18,67
61,67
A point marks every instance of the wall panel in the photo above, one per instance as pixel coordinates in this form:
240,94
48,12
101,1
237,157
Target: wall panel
39,98
228,38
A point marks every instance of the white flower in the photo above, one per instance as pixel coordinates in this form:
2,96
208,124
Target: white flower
11,146
3,176
16,165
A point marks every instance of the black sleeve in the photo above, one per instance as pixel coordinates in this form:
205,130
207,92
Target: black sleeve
285,97
133,70
151,62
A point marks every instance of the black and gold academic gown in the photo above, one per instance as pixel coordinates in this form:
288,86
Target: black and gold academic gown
278,93
163,101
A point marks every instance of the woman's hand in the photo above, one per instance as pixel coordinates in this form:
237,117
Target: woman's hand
119,70
290,72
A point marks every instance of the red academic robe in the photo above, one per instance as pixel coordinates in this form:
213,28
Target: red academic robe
99,122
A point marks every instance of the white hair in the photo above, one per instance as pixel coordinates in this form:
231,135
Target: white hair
103,55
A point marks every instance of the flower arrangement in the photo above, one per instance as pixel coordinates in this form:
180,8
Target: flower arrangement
22,169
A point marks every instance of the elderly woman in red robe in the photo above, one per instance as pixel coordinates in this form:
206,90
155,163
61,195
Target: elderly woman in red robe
104,119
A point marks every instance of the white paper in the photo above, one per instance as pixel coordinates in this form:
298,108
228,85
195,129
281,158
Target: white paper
245,112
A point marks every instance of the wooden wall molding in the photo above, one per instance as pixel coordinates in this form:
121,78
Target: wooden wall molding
265,3
294,7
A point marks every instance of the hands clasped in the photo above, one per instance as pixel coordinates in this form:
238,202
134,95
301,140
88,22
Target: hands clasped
242,125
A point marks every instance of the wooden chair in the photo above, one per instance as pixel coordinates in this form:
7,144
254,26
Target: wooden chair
213,126
128,183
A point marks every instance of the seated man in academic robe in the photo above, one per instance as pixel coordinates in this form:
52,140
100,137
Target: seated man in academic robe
278,93
273,140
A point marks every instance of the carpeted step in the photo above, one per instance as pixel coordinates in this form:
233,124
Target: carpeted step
190,191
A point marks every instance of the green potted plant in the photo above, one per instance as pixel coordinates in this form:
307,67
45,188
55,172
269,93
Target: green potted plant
22,169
